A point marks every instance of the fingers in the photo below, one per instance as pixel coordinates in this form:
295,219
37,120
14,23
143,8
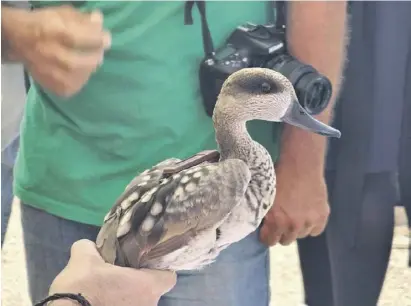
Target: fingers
70,61
288,237
293,228
323,221
299,228
162,281
274,226
306,230
317,223
319,229
278,227
78,30
89,32
85,36
313,227
85,250
62,70
59,82
68,48
271,232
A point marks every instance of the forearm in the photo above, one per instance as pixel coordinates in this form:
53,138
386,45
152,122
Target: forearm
316,35
14,27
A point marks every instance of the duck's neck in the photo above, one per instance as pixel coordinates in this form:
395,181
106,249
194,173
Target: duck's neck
235,142
233,139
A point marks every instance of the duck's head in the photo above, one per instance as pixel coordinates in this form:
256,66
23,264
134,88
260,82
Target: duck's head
263,94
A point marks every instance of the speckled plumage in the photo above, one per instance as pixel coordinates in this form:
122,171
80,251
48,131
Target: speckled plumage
184,221
188,205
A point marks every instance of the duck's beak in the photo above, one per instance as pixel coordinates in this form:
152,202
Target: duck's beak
296,115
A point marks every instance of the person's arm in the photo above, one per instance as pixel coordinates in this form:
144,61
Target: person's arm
60,46
12,14
316,35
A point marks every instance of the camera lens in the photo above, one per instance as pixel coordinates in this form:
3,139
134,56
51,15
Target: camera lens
313,92
312,88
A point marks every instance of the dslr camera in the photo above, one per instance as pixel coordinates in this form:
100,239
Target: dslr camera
264,46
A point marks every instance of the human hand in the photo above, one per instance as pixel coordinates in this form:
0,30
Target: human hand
60,46
103,284
300,208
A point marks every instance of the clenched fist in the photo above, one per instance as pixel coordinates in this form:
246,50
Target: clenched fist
60,46
300,208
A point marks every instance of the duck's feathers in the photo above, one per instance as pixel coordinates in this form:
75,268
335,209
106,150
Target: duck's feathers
107,239
156,216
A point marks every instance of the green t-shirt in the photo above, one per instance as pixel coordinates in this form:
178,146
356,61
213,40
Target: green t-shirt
141,106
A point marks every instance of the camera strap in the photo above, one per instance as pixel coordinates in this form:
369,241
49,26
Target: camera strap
280,10
276,14
188,19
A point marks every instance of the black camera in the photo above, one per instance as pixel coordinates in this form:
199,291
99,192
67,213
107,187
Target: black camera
262,46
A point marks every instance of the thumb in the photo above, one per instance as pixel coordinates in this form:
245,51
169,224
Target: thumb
163,281
77,15
85,250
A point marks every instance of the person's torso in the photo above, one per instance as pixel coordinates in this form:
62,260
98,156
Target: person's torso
391,78
140,107
383,35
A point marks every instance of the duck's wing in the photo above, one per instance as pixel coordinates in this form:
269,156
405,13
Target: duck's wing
140,184
154,172
189,202
112,229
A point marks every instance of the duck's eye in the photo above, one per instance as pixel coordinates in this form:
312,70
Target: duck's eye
265,87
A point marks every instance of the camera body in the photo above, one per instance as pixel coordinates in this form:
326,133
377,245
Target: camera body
253,45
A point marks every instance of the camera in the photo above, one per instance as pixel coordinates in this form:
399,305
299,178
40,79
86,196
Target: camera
264,46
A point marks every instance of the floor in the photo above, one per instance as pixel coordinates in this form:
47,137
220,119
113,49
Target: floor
285,280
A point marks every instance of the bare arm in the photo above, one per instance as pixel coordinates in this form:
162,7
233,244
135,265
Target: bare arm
15,18
316,35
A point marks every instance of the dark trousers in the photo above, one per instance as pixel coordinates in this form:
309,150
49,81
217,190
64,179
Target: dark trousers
338,274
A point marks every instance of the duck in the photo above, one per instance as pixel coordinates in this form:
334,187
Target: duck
181,214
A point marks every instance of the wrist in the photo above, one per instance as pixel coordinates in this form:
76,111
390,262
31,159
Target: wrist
65,299
63,303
